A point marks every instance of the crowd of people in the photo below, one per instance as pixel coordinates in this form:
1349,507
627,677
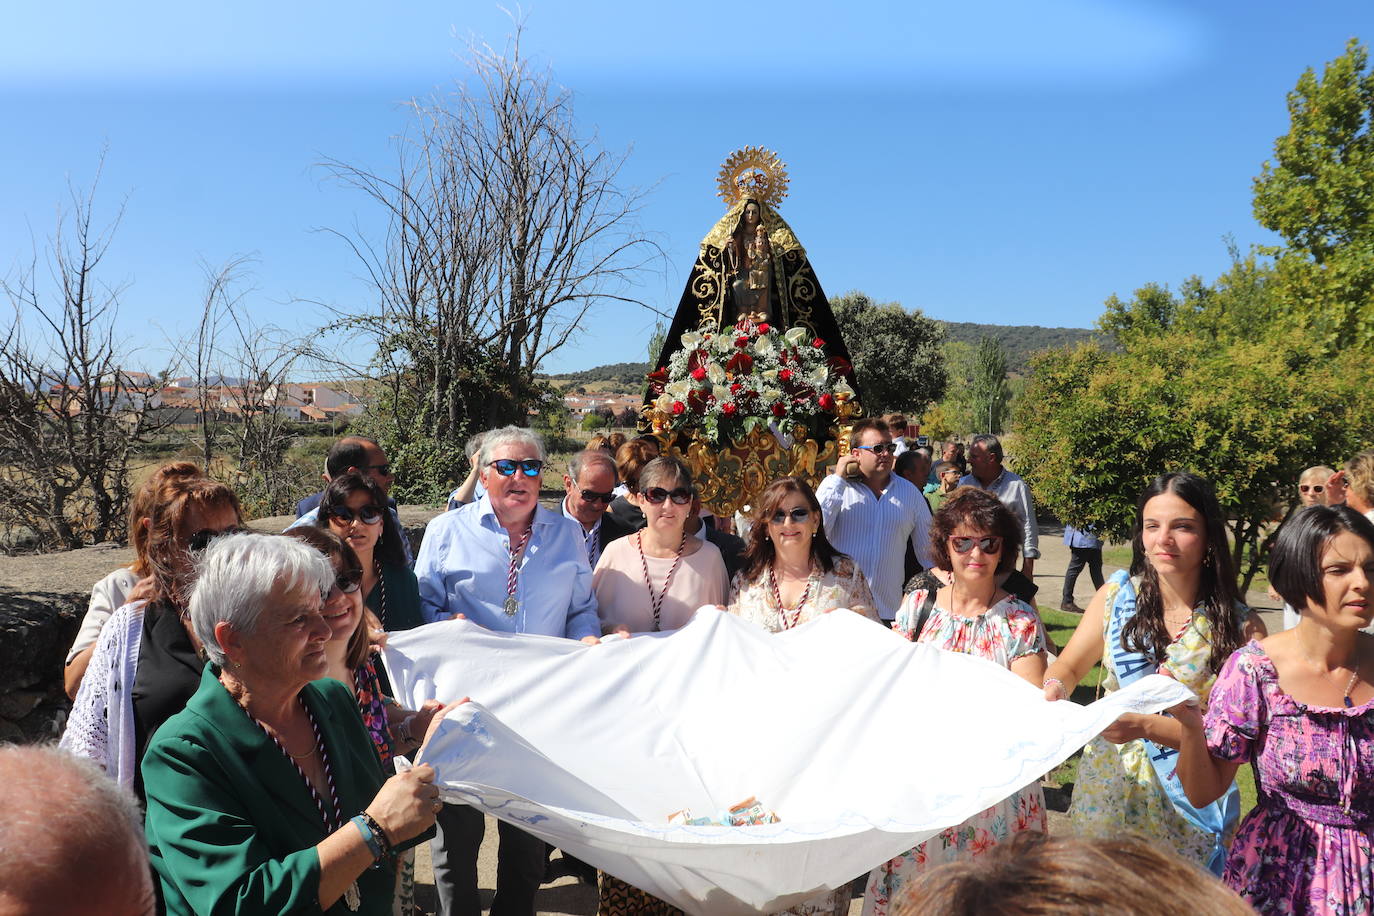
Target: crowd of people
228,681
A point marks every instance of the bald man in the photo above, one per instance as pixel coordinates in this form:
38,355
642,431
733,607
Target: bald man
71,840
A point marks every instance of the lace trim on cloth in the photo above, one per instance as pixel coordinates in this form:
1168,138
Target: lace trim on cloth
101,724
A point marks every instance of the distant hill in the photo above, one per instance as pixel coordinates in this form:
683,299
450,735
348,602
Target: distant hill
1019,340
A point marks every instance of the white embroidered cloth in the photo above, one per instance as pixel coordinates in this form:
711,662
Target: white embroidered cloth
593,747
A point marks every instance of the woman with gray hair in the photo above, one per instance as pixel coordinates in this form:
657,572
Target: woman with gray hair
266,795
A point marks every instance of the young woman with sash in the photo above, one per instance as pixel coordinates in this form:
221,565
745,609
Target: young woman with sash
1177,613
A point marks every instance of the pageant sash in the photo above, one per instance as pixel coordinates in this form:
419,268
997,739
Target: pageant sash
1213,819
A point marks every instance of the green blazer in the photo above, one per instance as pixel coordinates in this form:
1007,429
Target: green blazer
231,827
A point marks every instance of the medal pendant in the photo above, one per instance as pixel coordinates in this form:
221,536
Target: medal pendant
511,606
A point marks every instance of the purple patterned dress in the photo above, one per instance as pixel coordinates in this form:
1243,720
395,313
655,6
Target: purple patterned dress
1308,845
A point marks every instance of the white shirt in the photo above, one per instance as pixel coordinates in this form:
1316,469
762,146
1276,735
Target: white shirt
874,530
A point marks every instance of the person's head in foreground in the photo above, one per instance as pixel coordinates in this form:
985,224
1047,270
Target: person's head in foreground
1034,874
1323,564
1180,538
355,508
343,608
974,536
512,462
71,839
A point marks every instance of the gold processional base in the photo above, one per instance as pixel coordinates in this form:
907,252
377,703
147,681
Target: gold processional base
732,477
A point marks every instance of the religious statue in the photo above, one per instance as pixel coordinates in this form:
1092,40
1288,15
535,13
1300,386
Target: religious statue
754,381
750,266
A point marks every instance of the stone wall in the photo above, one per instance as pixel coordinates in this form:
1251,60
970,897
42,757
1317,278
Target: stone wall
36,630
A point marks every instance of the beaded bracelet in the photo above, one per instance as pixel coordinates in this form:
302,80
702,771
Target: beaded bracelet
373,846
1063,694
382,839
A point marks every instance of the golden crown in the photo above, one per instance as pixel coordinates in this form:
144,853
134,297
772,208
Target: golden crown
753,172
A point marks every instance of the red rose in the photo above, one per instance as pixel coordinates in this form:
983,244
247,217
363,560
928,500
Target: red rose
678,407
742,341
785,375
817,343
734,388
763,328
699,374
827,402
778,409
729,408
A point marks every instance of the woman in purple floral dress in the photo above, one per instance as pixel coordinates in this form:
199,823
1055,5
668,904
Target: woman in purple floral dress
1299,705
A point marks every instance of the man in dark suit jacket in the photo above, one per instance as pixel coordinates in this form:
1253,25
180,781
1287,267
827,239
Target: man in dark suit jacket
588,484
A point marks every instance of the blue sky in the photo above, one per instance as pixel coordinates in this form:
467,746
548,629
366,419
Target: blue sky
1007,162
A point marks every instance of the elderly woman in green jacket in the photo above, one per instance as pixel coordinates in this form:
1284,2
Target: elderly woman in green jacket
265,794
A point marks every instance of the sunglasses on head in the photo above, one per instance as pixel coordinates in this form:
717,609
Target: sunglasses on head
506,467
368,515
1315,488
201,539
798,515
680,496
881,448
591,496
989,544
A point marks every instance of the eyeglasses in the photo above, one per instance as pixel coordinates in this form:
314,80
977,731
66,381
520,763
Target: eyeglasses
990,544
506,467
201,539
383,469
368,515
798,515
1315,488
591,496
680,496
881,448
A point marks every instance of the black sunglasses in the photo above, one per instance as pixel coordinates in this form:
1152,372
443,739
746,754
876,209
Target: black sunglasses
798,515
680,496
591,496
368,515
990,544
882,448
1315,488
506,467
201,539
348,582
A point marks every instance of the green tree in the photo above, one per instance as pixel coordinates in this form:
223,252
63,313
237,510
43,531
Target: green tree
989,392
656,340
896,352
1318,194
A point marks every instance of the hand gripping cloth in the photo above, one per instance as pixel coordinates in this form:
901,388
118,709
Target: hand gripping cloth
862,743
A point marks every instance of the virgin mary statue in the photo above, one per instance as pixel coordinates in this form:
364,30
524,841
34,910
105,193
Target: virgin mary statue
751,266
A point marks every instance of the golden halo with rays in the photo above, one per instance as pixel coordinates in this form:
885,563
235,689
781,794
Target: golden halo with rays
752,172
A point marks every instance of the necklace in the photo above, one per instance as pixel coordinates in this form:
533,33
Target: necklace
513,576
657,600
381,580
1350,685
787,623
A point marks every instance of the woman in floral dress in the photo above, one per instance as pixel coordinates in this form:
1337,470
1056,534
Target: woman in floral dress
792,574
973,538
1178,614
1300,707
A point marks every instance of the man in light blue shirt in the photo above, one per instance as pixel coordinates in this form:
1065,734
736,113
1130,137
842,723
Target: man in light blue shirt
505,563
